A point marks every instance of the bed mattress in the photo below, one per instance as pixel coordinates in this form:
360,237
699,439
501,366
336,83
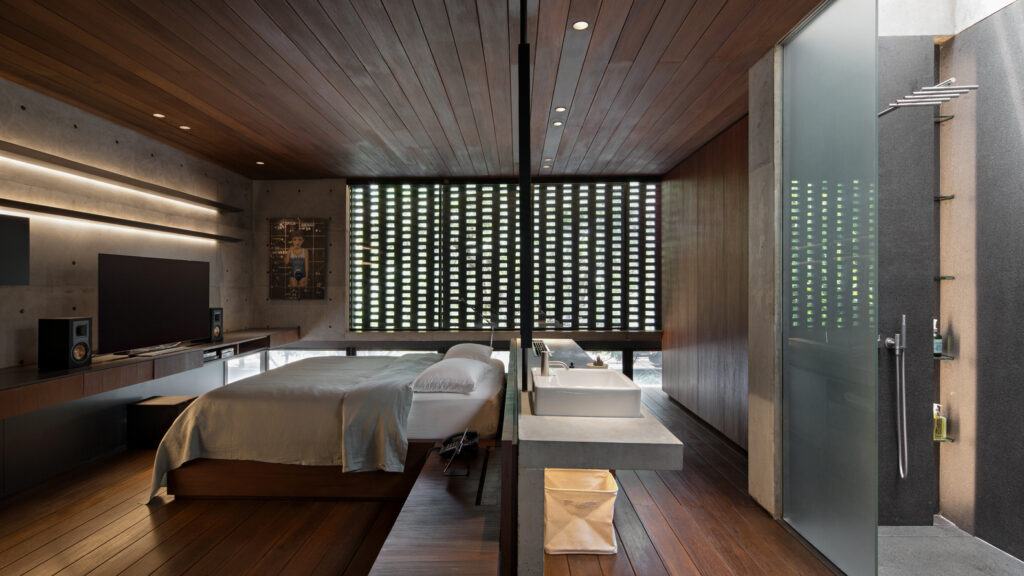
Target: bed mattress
437,415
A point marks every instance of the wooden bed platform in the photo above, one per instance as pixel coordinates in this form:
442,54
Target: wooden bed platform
205,478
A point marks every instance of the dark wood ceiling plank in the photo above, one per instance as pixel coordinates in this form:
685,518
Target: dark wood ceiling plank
708,25
551,30
309,28
407,26
378,31
433,16
707,119
641,19
494,31
771,22
465,27
255,100
575,48
607,33
205,89
342,122
731,110
288,58
532,7
671,17
114,92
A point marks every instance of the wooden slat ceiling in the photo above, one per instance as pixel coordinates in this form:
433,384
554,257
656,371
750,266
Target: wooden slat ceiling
388,88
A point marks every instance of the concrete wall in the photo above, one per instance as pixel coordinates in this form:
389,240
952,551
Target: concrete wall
63,253
907,266
63,266
319,320
981,235
764,351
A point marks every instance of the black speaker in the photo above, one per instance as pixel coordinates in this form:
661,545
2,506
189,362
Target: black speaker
64,343
216,324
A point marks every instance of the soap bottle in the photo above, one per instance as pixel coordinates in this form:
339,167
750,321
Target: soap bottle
936,338
939,432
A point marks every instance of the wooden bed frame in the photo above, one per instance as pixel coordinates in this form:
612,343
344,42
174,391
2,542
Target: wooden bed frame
207,478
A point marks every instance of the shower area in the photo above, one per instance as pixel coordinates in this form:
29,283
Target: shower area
895,233
951,251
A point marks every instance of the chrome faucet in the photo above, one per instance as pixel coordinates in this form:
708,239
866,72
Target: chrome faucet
546,362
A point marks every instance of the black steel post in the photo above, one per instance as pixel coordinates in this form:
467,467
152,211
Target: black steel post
525,198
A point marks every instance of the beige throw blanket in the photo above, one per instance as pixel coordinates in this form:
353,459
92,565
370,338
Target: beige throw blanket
329,411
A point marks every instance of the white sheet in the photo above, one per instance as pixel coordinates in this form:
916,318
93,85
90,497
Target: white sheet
328,411
437,415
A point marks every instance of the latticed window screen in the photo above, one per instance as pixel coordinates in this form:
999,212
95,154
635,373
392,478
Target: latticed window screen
444,256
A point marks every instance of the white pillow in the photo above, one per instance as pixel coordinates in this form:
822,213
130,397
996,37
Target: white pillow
451,375
477,352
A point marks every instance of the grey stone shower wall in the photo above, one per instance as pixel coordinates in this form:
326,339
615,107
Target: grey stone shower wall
907,265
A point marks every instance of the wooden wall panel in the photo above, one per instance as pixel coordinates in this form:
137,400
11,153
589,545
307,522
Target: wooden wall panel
704,258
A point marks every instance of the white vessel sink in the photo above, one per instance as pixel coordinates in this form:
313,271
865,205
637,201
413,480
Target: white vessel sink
585,392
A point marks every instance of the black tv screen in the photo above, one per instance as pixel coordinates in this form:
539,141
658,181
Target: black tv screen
151,301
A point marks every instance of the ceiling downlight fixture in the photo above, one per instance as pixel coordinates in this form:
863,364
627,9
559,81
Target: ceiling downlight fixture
580,25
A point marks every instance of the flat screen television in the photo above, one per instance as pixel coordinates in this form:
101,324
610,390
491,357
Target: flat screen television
147,302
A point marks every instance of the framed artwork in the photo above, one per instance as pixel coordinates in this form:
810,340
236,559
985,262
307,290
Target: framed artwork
298,258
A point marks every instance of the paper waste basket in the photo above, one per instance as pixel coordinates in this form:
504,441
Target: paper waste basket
579,506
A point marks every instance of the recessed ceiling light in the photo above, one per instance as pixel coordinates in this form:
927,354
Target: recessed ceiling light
547,159
581,25
259,163
560,109
158,115
185,127
547,165
556,123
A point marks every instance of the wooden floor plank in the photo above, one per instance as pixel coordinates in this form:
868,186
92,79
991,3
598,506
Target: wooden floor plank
71,489
753,543
688,530
672,552
584,564
293,537
87,555
215,516
634,538
72,532
556,565
245,545
362,561
52,524
341,530
202,544
616,564
149,541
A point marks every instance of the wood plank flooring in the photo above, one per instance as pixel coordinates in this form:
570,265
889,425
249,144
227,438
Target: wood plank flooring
699,521
96,521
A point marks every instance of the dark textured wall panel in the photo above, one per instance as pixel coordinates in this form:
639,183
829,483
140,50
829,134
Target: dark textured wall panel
906,271
704,279
985,141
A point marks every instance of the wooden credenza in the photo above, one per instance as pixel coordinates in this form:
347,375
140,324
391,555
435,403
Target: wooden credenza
25,389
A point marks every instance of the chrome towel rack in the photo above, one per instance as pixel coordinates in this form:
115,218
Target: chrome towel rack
931,95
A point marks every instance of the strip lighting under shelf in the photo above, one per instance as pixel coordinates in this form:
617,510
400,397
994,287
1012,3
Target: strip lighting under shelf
47,161
110,220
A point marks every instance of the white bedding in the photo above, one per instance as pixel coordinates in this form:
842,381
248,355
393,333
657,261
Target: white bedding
437,415
332,411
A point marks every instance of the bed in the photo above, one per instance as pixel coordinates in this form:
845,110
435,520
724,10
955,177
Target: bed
329,427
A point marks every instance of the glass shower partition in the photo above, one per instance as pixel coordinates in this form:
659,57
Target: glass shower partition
829,151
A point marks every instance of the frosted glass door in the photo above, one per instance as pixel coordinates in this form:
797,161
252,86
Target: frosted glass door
829,151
